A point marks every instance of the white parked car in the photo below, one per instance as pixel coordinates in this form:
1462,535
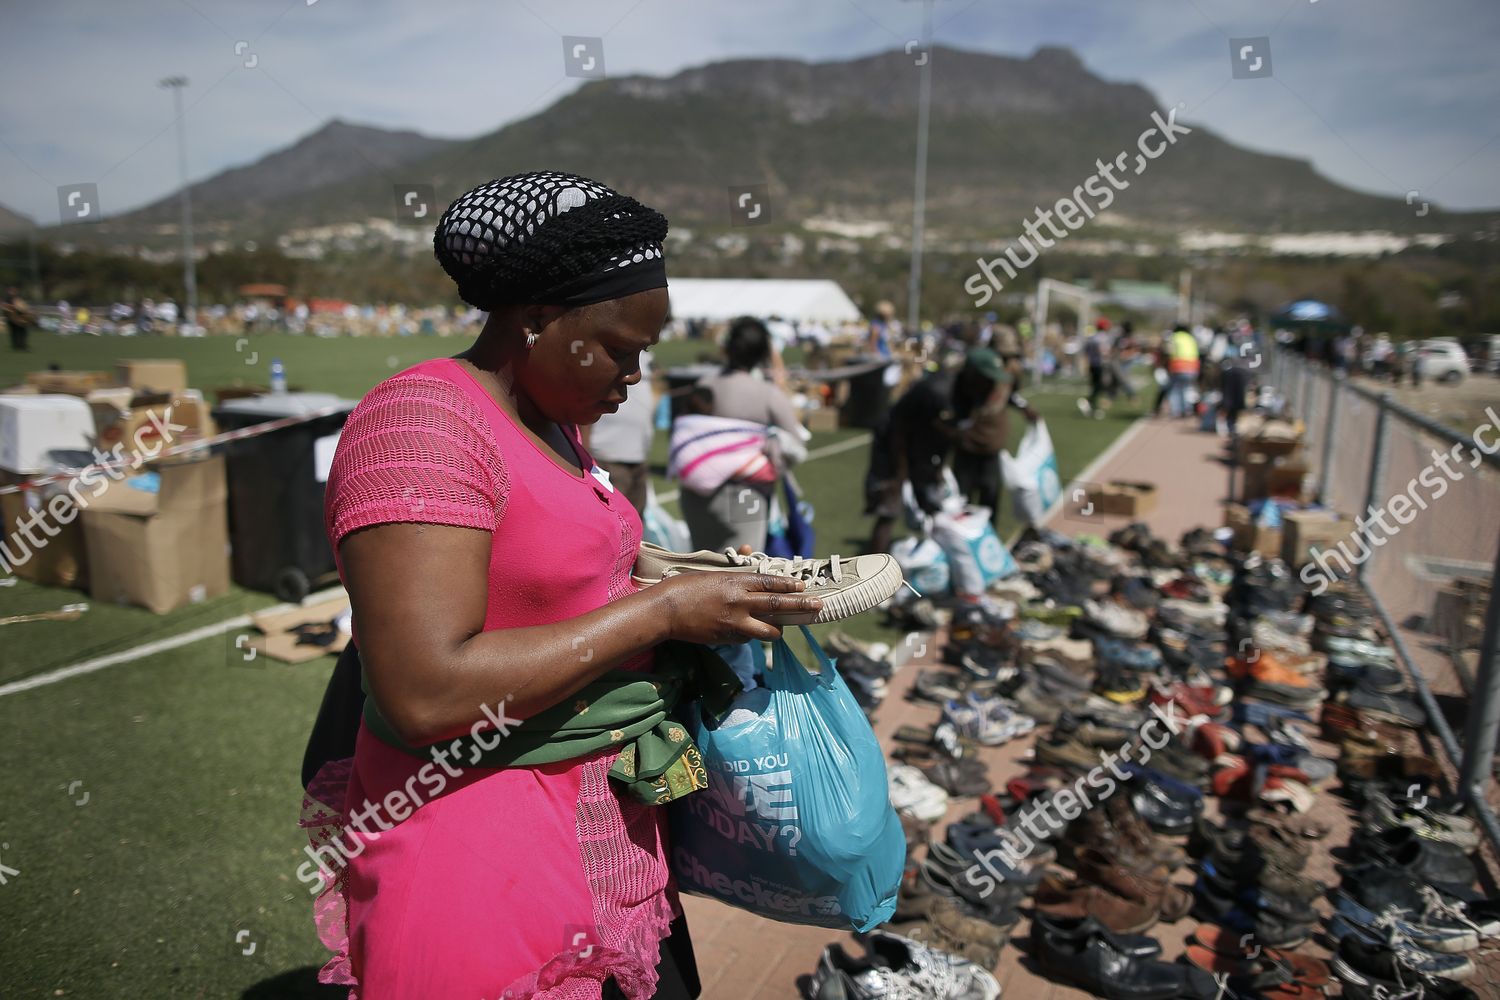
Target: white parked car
1442,360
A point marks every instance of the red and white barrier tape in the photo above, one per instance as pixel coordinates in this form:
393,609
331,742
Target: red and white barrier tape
254,430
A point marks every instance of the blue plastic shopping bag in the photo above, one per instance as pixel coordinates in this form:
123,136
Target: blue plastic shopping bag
796,824
793,535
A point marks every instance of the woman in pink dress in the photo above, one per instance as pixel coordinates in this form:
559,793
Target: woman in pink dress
488,562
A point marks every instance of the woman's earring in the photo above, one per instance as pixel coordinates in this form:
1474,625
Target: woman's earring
530,339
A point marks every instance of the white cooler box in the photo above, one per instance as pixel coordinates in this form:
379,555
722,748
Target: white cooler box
31,426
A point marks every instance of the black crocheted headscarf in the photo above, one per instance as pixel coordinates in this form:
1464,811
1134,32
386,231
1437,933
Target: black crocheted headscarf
549,238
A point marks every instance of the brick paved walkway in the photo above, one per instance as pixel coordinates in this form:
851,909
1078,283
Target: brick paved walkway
744,957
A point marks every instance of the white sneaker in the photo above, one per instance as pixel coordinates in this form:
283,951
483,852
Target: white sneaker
898,968
1127,623
848,585
914,795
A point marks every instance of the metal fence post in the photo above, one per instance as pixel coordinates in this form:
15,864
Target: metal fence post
1483,729
1377,467
1330,429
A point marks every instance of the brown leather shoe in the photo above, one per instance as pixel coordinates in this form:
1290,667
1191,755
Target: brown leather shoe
1149,887
1093,829
1391,767
1067,752
1138,835
1074,900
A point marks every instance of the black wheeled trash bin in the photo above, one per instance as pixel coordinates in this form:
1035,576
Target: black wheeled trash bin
276,481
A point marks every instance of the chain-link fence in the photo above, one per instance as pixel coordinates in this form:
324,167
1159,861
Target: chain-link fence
1429,499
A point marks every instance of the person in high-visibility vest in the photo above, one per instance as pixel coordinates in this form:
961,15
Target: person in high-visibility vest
1182,368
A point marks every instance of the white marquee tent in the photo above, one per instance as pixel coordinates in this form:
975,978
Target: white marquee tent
721,299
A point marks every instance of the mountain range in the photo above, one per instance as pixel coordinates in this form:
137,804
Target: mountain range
818,142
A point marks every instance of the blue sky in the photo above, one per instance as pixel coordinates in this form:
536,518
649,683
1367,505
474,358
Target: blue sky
1381,95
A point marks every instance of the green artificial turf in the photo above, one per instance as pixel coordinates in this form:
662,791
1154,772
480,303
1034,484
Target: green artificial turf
186,762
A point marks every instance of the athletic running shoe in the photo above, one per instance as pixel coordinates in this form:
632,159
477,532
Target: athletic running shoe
914,795
847,585
898,968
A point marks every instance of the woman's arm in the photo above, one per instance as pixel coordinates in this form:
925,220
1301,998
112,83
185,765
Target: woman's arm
419,593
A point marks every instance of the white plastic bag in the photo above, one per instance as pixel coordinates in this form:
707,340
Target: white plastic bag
1031,475
924,564
946,494
976,556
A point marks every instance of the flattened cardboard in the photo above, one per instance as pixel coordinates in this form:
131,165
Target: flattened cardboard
279,641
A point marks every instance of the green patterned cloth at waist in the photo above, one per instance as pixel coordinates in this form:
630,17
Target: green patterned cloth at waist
629,710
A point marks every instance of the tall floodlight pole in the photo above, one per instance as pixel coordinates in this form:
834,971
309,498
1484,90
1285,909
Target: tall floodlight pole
919,203
189,265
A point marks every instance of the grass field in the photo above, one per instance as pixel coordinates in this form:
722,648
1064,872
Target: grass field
148,836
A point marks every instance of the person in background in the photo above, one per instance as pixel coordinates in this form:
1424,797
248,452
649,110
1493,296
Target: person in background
727,518
944,408
910,445
885,331
1235,381
17,320
1182,368
621,441
983,394
1096,352
1121,354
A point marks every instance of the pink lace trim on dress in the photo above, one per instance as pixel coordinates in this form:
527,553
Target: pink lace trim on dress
323,819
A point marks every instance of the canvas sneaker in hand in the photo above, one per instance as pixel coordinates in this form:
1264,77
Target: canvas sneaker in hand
847,585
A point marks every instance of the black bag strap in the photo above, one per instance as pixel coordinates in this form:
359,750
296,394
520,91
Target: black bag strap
334,731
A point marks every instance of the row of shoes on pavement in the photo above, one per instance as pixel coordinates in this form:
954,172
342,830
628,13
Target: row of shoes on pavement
1091,643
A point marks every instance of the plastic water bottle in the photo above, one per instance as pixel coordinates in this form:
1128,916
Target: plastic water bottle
278,377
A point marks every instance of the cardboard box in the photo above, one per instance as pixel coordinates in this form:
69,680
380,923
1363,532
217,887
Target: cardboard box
73,383
152,375
1249,536
1263,477
1272,438
1306,530
139,426
59,559
824,418
160,543
1125,498
1270,448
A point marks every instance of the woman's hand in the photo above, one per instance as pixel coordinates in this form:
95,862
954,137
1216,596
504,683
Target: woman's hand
729,607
